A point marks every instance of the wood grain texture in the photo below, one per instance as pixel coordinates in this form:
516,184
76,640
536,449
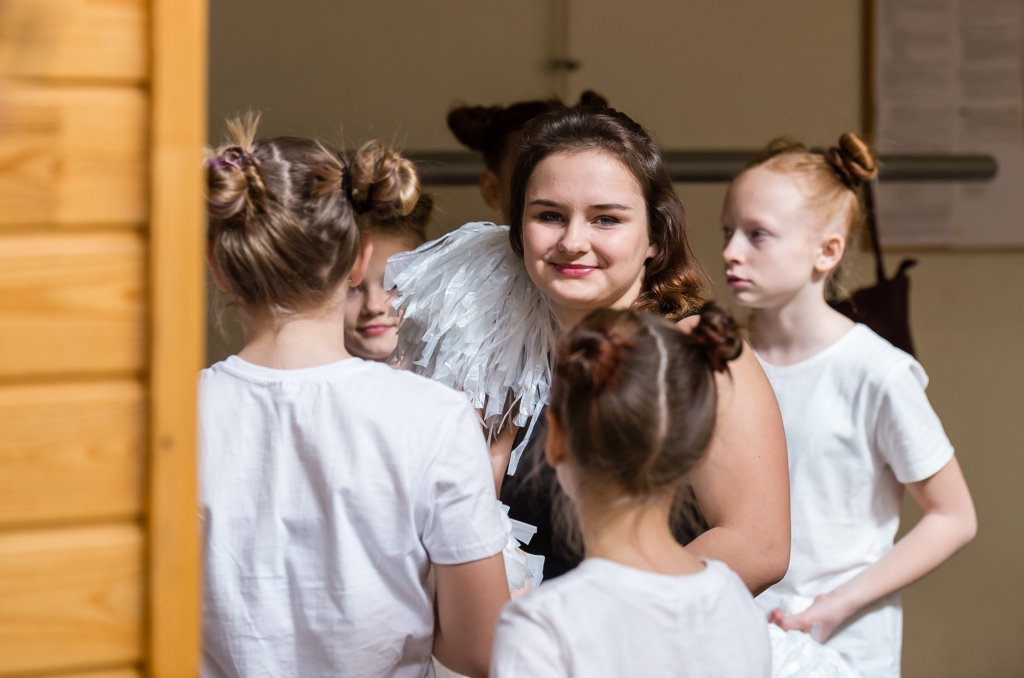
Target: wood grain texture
177,241
71,303
75,40
71,451
73,156
70,598
102,673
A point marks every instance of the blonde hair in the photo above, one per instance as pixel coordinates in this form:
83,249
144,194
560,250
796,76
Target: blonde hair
411,228
835,179
282,212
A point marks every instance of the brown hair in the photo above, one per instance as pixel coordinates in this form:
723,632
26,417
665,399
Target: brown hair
411,227
489,129
282,212
636,397
673,282
836,180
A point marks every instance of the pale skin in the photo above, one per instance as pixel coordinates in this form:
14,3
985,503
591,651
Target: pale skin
778,255
371,322
469,596
586,240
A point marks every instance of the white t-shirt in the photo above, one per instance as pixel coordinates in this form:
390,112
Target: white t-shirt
858,426
606,619
326,494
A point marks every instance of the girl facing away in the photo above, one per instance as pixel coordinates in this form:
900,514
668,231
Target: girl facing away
859,427
371,323
632,410
495,132
322,519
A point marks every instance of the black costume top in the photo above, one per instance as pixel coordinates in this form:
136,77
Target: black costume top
534,496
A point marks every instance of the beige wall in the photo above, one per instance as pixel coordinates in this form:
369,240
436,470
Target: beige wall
728,74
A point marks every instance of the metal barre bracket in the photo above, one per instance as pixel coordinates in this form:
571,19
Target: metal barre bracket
463,169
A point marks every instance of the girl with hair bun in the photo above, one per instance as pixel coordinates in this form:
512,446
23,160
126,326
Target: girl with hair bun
858,424
632,411
371,323
323,520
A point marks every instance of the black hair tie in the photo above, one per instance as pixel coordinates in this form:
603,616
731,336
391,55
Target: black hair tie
359,206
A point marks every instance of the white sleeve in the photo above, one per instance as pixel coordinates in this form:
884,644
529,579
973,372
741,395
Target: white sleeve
525,646
463,521
908,433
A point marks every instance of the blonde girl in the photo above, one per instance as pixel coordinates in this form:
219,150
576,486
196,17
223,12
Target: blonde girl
371,323
858,424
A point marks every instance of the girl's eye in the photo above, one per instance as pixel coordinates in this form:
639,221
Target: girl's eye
550,216
606,221
352,291
758,235
727,233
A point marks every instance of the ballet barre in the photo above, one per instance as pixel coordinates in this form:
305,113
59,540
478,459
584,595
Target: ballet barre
463,169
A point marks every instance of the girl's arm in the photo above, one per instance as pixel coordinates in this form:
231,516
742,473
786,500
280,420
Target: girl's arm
501,453
469,598
947,525
742,484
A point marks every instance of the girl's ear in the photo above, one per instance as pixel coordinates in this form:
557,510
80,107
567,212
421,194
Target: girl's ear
652,250
833,246
490,189
215,272
554,447
358,272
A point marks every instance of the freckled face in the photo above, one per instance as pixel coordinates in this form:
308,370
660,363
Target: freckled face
371,324
585,232
771,243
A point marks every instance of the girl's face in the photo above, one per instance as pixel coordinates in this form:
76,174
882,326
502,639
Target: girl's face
774,246
585,236
371,324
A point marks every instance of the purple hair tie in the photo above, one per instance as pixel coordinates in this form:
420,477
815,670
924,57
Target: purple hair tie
218,161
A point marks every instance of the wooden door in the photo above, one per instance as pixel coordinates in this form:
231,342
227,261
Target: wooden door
101,231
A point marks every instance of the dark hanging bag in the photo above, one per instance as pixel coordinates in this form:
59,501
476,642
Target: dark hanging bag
885,306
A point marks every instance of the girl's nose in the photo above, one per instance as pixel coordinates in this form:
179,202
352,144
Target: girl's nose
732,252
377,300
574,239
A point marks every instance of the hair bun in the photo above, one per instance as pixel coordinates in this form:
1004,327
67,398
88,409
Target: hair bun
592,358
382,182
852,160
234,183
718,335
592,98
472,124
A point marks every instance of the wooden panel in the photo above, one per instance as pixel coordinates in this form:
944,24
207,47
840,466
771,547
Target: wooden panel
71,451
73,156
75,39
109,673
70,598
71,303
177,241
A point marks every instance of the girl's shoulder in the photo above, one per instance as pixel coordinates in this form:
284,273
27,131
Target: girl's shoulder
874,358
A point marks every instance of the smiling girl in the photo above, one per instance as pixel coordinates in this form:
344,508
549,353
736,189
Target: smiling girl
859,426
594,223
371,323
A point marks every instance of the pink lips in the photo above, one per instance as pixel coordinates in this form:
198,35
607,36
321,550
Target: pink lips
574,270
374,330
736,281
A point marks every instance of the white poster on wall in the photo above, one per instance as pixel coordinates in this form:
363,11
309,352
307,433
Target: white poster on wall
949,78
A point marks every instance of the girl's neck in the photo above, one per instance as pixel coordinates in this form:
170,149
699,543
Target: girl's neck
798,329
296,341
634,534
